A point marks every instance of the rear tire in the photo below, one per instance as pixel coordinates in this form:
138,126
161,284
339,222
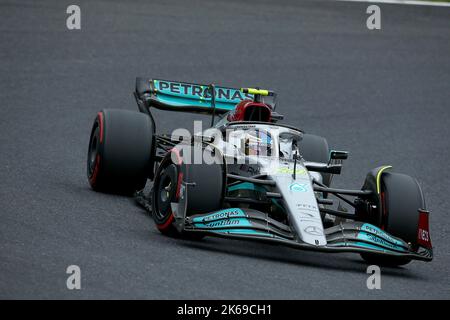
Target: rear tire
120,151
401,198
315,149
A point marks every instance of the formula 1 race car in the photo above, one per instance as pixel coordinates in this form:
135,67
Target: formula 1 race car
249,177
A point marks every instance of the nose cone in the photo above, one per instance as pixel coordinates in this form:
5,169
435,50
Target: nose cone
300,201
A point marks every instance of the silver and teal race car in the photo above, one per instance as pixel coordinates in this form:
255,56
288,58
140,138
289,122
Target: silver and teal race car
250,177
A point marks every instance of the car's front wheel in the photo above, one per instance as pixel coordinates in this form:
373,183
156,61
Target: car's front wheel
399,199
192,188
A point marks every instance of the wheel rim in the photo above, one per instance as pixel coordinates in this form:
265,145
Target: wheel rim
165,192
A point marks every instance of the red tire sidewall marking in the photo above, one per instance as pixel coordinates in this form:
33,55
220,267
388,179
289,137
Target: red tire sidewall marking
100,120
166,224
93,177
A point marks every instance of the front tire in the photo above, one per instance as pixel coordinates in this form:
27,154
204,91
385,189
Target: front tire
204,188
400,199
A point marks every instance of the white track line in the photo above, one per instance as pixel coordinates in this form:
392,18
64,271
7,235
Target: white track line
409,2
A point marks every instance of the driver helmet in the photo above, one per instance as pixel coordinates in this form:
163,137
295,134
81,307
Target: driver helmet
258,143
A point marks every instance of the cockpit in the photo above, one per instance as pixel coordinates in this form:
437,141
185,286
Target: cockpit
263,140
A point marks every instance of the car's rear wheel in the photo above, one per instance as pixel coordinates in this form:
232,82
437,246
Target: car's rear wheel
120,151
400,198
315,149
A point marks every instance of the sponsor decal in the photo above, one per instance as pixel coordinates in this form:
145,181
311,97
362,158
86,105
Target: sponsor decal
298,187
424,236
202,92
244,126
306,212
304,206
221,223
379,233
224,223
423,232
313,230
379,241
223,214
287,170
221,219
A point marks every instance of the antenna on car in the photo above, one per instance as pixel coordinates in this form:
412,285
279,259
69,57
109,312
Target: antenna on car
295,164
212,88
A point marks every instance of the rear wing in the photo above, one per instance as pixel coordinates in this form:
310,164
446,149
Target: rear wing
187,97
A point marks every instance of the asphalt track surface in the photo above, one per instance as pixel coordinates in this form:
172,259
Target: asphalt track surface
383,95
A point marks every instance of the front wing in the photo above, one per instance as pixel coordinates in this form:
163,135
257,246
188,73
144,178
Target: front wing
353,236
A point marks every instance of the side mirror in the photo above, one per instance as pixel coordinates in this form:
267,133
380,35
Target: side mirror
322,167
338,155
